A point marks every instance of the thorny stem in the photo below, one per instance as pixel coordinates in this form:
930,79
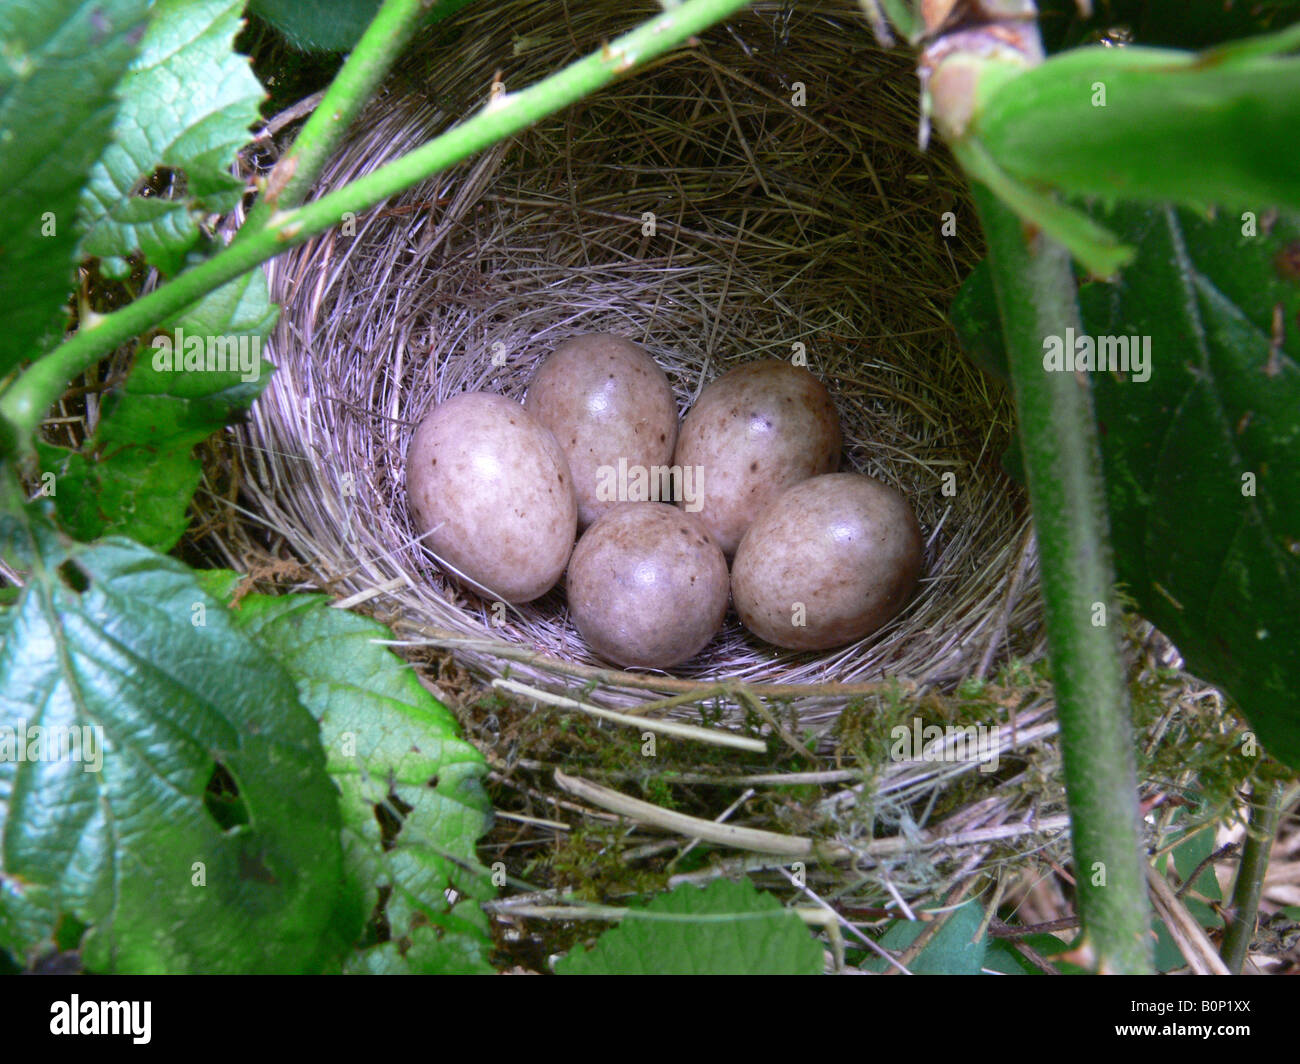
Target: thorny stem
1260,829
24,404
383,41
1035,291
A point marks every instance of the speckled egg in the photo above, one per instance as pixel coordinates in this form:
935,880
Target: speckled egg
827,563
755,431
491,495
647,585
612,410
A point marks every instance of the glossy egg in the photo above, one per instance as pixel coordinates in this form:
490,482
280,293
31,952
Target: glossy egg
491,495
827,563
647,585
753,432
612,410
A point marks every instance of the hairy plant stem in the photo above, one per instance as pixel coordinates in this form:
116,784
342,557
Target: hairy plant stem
1036,298
1260,829
39,387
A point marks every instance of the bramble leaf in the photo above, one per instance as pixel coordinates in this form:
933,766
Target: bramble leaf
954,950
1133,124
728,928
1001,956
318,25
333,25
206,838
188,102
60,61
1202,461
412,800
137,473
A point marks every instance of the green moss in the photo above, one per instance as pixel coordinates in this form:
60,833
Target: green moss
1187,746
658,790
591,860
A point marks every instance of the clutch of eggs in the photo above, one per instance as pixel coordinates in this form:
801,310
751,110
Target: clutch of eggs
498,491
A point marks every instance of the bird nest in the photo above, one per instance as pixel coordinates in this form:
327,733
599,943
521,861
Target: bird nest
761,195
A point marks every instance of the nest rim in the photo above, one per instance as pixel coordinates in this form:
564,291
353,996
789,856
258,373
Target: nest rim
311,416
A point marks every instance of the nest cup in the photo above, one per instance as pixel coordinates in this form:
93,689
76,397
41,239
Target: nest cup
759,196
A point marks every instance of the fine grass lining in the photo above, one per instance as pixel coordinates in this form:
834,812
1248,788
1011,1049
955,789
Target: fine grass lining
782,216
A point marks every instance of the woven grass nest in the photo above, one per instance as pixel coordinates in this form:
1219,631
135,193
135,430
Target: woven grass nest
701,211
775,224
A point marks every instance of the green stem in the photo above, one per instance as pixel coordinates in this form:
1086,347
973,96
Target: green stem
1036,297
905,18
25,403
384,40
1260,829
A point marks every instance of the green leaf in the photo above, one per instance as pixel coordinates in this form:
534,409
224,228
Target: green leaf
974,316
1081,125
1168,957
1202,461
394,752
1002,956
1147,141
138,472
728,928
954,950
1095,247
169,872
1187,857
221,584
332,25
318,25
905,19
188,103
1218,571
1189,854
59,63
